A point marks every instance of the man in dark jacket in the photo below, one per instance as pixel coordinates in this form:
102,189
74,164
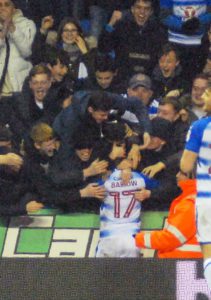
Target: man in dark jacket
105,77
39,101
136,39
167,75
160,197
42,155
92,109
170,109
15,195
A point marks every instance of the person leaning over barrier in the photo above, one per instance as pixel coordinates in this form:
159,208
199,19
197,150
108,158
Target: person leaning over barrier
92,109
42,153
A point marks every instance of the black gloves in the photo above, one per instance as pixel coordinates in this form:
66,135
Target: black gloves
191,26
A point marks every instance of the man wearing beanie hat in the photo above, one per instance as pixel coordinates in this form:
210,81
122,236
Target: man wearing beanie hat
161,129
159,148
160,135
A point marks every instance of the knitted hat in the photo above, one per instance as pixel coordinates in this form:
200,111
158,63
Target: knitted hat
161,128
83,138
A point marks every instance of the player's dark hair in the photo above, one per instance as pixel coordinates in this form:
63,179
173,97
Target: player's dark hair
83,138
114,131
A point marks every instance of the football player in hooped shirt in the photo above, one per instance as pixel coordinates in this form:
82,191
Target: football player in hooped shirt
120,212
198,148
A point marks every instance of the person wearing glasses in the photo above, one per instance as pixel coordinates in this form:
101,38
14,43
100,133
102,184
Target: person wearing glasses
70,38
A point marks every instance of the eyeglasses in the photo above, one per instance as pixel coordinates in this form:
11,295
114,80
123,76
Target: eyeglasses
70,30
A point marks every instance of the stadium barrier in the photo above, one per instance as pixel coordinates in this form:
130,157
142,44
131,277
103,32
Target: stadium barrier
50,255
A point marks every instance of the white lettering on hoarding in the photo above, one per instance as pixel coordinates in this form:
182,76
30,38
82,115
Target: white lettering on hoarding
187,283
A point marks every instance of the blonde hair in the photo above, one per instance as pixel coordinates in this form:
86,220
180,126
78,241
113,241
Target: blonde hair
41,132
39,69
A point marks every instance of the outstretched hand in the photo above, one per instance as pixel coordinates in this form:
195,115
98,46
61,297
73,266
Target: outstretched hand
152,170
116,16
96,167
47,23
93,190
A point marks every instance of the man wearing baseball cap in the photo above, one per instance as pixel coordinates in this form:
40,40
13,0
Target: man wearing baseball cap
140,86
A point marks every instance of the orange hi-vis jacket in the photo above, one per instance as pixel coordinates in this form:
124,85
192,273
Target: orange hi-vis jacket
178,238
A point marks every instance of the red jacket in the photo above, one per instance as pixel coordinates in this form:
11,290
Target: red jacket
178,238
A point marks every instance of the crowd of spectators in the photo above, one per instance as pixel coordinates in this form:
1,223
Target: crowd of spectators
71,71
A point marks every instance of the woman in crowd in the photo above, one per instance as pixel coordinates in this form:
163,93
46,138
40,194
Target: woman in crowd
69,38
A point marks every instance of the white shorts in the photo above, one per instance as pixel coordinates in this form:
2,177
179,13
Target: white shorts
203,220
117,246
